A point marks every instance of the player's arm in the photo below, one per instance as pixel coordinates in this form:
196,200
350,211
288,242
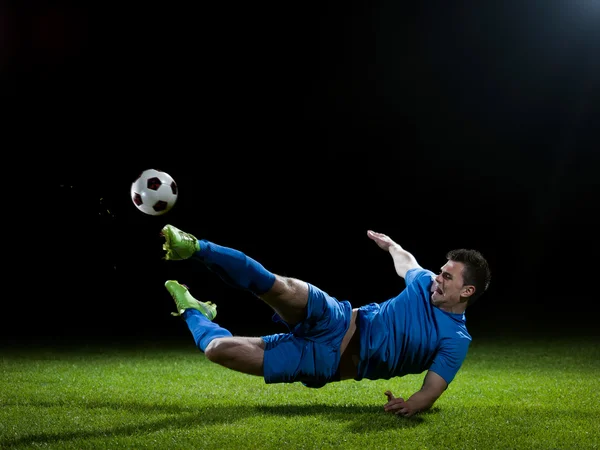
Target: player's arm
433,387
403,260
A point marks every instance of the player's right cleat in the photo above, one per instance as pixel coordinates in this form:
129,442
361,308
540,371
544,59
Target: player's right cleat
178,244
184,300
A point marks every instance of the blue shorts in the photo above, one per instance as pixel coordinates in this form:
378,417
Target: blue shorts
310,352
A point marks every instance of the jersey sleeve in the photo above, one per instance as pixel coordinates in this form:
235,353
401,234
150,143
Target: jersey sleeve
419,275
450,357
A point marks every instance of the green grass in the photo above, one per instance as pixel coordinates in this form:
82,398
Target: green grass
510,394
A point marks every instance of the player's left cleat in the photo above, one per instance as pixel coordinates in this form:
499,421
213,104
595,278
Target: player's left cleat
178,244
184,300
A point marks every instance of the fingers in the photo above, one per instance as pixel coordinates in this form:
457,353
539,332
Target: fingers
398,410
396,405
402,412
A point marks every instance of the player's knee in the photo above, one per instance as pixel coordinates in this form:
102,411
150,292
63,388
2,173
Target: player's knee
216,350
233,351
288,290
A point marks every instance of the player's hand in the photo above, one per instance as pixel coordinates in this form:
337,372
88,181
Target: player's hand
384,242
397,405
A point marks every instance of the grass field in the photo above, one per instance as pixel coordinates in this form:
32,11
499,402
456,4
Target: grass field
510,394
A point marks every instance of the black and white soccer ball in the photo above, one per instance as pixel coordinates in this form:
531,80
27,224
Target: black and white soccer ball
154,192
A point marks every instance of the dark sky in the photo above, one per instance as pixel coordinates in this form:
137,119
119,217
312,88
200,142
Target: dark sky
291,130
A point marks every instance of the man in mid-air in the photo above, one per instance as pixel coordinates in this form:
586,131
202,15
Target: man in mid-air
422,329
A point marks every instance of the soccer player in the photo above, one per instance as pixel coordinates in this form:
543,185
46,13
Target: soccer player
421,329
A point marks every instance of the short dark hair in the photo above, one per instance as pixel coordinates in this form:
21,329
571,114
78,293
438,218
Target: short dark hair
476,272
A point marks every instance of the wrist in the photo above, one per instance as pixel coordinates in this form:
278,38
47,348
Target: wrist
394,248
419,403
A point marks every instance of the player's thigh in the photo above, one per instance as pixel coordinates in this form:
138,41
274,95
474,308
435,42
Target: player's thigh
287,292
244,354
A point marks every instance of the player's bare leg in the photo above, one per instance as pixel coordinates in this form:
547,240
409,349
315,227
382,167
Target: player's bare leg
242,354
287,296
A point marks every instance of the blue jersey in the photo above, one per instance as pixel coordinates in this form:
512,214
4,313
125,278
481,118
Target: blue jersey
408,335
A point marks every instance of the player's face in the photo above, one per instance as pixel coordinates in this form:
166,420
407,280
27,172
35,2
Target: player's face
447,289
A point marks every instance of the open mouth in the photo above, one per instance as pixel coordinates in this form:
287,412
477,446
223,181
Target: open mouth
439,291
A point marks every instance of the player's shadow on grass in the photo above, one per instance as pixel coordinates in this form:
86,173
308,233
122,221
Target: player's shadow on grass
359,418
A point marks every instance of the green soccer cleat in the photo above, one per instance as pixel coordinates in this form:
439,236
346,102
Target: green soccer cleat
184,300
178,244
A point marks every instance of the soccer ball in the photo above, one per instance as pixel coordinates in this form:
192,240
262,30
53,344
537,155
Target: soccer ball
154,192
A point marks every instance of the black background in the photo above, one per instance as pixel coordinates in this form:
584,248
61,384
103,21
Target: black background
292,129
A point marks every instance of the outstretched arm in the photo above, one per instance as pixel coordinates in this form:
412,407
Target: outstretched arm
403,260
433,387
